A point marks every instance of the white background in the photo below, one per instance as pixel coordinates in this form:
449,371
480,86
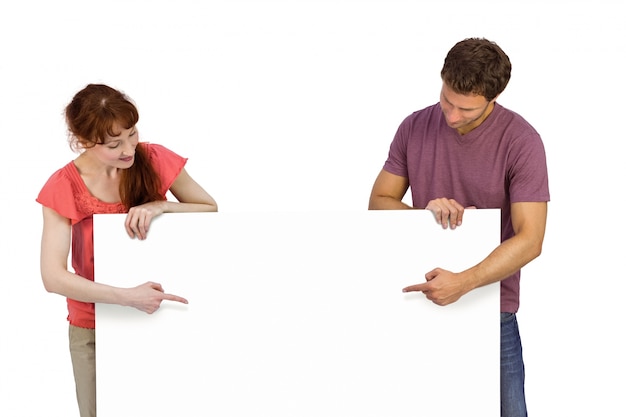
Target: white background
291,106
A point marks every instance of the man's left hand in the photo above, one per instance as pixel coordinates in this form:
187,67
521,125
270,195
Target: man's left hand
441,287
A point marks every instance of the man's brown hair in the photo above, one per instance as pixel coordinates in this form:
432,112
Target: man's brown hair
476,66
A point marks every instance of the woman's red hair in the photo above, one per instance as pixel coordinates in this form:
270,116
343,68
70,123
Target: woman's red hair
91,116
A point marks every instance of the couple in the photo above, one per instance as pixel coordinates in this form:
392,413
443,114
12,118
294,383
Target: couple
464,151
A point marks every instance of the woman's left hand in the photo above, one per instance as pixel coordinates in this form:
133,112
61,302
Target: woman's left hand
139,218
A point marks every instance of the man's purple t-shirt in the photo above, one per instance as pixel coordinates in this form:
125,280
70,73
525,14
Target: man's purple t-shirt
500,162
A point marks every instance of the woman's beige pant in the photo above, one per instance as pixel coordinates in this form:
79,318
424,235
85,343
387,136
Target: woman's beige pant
83,353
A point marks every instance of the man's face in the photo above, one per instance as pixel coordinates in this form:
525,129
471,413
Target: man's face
464,112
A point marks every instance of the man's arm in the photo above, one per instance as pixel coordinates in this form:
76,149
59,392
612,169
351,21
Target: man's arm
529,223
388,192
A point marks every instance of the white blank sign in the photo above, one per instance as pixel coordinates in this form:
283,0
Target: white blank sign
297,314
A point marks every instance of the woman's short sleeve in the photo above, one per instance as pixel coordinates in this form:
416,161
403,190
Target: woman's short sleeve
166,163
59,194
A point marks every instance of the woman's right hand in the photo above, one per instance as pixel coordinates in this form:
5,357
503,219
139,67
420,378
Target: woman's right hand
148,297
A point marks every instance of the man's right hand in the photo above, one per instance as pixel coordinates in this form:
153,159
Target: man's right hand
447,212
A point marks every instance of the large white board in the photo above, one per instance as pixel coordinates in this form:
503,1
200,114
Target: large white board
297,314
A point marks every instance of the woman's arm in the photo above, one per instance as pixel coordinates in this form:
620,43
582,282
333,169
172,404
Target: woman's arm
191,198
55,246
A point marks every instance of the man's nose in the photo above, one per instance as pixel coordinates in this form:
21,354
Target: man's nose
453,116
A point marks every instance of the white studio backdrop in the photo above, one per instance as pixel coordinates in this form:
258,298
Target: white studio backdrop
296,314
291,105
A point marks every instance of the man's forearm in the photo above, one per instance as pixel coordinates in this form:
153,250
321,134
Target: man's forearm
509,257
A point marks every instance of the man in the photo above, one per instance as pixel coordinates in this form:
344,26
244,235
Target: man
468,151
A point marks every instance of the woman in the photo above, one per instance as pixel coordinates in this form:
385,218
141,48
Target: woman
113,173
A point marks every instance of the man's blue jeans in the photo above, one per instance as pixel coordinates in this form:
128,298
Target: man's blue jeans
512,397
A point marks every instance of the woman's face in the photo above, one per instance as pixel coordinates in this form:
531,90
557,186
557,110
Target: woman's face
117,151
